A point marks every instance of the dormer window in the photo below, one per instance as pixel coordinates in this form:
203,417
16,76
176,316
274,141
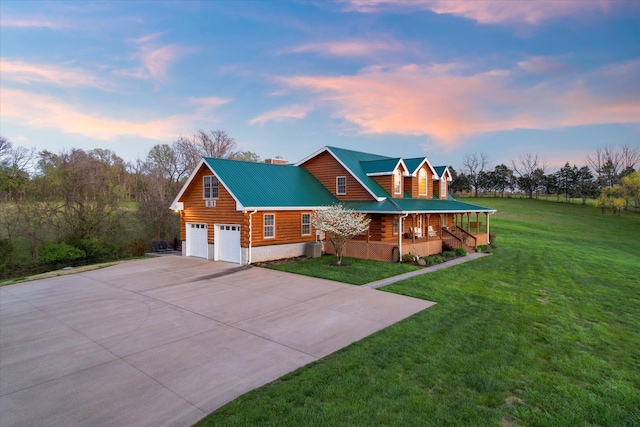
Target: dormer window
422,182
443,188
397,182
210,187
341,185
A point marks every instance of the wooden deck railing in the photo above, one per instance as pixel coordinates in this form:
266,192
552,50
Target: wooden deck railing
468,237
450,239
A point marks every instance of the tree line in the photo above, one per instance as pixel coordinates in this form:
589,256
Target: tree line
608,175
78,206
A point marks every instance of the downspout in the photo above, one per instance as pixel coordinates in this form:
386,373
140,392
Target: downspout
250,235
400,234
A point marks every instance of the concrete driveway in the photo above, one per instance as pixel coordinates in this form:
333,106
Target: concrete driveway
166,341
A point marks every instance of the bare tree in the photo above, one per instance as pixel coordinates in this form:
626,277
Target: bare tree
247,156
5,147
528,169
473,166
215,143
612,163
170,161
629,157
154,194
15,163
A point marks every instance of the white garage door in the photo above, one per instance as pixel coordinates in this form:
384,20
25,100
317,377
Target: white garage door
227,243
197,240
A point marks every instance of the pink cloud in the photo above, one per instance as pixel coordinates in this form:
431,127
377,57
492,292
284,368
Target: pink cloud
28,73
346,48
47,112
447,104
488,11
155,60
282,113
31,22
208,103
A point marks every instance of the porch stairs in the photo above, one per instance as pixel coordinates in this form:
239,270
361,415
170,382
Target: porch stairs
459,238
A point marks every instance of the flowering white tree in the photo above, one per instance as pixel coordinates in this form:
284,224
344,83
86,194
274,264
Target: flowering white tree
341,225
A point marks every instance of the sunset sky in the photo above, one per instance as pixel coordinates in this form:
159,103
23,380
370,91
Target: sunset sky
439,78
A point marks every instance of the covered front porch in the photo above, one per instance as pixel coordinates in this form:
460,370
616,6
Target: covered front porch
422,234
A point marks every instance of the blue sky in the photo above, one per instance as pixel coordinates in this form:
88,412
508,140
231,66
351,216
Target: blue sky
439,78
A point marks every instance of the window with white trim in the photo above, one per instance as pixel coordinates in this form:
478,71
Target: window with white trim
306,224
443,188
269,226
341,185
394,223
210,187
397,182
422,182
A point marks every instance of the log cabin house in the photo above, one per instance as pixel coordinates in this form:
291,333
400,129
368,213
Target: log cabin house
245,212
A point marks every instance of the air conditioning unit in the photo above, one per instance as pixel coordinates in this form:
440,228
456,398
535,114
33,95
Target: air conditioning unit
210,203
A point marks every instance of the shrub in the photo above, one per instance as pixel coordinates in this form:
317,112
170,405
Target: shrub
54,253
6,250
492,239
428,261
461,252
409,258
97,249
447,247
449,254
138,247
437,259
484,248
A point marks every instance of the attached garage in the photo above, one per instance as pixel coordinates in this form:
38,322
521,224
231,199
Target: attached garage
227,243
197,242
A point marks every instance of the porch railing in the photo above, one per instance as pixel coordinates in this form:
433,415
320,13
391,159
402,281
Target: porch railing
450,239
467,236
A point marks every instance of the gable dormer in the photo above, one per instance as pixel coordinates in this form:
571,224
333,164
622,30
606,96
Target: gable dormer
419,182
389,174
441,182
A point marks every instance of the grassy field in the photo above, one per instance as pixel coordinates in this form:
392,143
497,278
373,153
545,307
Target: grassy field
546,332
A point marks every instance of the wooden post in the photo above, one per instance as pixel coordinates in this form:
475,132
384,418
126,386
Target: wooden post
487,214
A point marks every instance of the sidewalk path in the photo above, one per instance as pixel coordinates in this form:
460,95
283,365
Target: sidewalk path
384,282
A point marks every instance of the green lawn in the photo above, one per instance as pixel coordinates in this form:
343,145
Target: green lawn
354,271
546,332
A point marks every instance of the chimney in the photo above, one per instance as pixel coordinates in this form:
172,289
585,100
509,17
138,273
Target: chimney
276,161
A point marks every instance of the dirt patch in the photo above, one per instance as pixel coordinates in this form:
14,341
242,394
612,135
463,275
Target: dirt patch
279,261
511,400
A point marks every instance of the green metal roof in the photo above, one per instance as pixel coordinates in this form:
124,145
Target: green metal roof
380,166
401,206
440,170
431,205
353,161
413,164
266,185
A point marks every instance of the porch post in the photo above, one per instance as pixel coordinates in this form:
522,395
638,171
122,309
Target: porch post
400,231
413,228
468,219
428,215
487,214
